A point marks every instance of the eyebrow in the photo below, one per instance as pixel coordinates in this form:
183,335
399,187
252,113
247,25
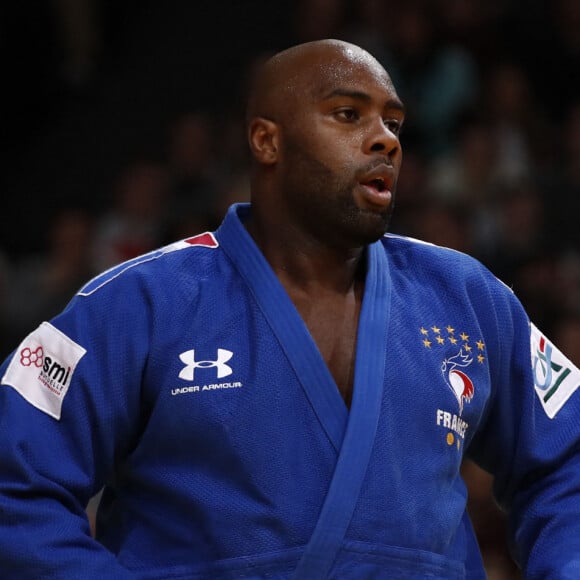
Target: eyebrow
362,96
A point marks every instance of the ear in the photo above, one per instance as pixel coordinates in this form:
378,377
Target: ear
264,139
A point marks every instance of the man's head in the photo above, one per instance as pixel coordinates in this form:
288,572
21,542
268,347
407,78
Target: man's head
323,127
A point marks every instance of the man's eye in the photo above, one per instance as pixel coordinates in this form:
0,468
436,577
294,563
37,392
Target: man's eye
347,114
393,126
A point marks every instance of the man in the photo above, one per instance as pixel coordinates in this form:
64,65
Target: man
292,395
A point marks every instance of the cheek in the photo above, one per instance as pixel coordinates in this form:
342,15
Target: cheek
338,160
326,139
320,154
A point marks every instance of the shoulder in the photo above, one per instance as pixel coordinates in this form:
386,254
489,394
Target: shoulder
437,265
155,289
455,281
402,248
158,266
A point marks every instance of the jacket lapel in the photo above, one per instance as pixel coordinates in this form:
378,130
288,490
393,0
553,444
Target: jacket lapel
351,467
352,435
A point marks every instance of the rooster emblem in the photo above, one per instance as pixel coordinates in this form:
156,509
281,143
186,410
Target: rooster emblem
457,380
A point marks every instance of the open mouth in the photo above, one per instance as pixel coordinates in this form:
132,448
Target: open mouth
376,192
377,183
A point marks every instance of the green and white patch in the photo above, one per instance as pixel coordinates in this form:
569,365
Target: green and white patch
555,376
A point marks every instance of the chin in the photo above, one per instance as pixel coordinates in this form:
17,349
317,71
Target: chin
369,232
361,225
374,225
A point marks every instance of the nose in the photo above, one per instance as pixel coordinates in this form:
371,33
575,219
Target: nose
382,139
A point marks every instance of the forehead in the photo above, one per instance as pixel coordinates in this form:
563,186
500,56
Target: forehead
347,69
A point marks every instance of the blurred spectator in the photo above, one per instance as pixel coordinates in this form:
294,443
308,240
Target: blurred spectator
192,164
549,47
567,285
411,194
521,232
6,334
522,254
80,32
316,19
437,81
562,185
536,283
476,26
41,285
236,189
134,223
469,175
370,26
234,152
566,333
233,188
521,133
443,223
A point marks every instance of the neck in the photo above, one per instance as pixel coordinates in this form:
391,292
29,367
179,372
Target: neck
303,262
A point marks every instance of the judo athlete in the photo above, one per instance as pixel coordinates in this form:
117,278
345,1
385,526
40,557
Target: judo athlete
291,395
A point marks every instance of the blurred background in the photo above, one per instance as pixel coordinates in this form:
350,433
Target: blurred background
122,129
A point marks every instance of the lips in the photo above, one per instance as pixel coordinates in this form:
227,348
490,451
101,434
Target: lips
379,178
377,185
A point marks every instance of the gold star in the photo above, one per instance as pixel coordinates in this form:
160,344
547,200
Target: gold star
450,329
464,336
427,343
440,340
467,347
436,329
424,331
480,358
452,340
480,345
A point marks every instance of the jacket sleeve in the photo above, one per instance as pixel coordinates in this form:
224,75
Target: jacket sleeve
69,401
530,441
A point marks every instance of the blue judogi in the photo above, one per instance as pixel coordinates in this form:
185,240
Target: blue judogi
186,384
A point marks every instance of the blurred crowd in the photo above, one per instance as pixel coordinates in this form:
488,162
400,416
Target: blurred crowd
491,145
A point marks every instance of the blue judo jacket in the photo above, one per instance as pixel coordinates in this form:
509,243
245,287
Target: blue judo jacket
185,384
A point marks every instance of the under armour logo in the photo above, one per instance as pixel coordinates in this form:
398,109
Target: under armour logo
188,358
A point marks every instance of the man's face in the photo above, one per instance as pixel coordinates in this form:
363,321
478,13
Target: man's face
341,153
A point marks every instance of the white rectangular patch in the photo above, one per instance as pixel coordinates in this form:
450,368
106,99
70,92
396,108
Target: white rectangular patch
555,376
42,368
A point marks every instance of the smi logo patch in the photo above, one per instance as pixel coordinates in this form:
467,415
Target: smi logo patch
54,376
42,368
